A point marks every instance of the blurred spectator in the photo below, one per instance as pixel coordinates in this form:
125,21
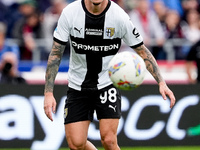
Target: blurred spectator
43,4
3,9
160,10
27,30
172,5
173,27
193,56
27,7
6,46
9,69
189,5
10,2
191,28
51,16
173,30
16,14
149,26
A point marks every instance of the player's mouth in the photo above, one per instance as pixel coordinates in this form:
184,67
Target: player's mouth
96,2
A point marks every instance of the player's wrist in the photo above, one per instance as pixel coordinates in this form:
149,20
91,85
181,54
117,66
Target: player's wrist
162,83
48,93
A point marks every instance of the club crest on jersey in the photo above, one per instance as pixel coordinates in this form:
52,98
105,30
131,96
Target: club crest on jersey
110,31
65,112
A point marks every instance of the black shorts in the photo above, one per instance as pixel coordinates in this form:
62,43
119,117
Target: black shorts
80,105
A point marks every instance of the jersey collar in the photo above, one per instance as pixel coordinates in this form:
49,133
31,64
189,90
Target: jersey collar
92,15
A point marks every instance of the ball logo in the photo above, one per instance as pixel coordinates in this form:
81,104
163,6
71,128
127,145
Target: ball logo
115,68
137,65
138,69
126,84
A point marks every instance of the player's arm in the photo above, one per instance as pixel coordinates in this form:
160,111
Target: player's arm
54,60
189,66
150,62
153,68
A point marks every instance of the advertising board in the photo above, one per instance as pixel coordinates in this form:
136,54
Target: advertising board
147,119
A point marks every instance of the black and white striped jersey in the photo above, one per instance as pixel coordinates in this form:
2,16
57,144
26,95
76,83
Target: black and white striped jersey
94,40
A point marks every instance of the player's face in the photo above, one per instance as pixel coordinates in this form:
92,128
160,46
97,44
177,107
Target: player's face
96,2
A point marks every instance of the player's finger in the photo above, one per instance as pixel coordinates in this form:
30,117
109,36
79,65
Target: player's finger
54,108
163,95
173,100
172,104
49,114
47,111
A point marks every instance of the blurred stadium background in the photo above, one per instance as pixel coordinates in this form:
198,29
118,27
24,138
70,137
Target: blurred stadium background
26,28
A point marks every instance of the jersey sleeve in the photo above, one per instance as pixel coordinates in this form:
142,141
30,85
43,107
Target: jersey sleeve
61,33
131,36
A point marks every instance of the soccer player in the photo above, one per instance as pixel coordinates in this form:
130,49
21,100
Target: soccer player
193,56
94,29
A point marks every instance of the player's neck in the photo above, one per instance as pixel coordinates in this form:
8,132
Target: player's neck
96,9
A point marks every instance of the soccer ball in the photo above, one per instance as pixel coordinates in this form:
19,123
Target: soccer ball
127,70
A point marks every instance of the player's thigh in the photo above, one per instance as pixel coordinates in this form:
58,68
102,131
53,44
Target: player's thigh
108,128
108,103
76,133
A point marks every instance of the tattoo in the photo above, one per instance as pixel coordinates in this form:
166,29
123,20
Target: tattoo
53,65
150,62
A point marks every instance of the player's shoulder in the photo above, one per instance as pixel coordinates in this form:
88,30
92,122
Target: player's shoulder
116,6
73,6
117,10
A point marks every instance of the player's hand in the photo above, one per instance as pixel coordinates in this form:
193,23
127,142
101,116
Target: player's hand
165,91
192,81
49,105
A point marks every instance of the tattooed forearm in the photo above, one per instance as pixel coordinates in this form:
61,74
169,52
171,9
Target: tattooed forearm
53,66
150,62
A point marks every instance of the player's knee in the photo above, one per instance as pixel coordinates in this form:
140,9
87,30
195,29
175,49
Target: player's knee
108,141
76,145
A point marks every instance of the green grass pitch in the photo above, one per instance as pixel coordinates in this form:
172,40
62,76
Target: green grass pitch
134,148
